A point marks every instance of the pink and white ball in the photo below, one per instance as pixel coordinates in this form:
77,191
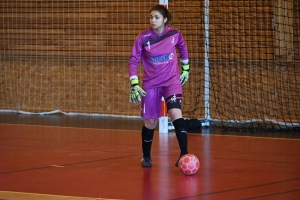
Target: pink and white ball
189,164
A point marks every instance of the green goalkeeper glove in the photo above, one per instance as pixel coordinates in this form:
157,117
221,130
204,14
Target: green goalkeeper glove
184,76
136,91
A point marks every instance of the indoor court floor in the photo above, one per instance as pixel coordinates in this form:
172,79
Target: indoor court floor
78,157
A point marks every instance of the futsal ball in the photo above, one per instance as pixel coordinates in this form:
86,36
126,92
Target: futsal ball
189,164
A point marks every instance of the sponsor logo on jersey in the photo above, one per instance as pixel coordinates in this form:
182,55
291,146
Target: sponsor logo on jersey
162,59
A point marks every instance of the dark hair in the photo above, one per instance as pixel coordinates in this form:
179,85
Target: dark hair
163,11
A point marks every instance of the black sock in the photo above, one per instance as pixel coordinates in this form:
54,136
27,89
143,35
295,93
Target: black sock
147,137
181,134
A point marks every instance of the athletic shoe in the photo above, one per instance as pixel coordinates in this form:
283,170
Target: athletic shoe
146,162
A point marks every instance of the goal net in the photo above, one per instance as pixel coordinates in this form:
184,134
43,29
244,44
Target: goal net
247,60
71,56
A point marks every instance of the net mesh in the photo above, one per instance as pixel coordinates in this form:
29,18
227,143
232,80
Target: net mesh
254,64
71,56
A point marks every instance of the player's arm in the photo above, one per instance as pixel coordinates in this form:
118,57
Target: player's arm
135,90
135,57
183,51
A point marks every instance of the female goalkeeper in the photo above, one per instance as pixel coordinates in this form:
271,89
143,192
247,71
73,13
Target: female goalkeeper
156,48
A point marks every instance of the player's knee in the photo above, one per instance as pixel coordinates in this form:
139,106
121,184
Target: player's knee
175,113
151,123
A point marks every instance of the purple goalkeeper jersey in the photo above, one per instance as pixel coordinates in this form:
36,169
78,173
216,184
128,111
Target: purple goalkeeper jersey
157,53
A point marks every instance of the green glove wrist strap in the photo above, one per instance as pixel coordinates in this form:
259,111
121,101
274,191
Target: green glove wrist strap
134,82
185,67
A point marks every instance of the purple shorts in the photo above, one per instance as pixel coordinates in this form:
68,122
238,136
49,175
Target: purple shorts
151,103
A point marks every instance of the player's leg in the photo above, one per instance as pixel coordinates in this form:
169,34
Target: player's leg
174,110
150,111
180,130
147,138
